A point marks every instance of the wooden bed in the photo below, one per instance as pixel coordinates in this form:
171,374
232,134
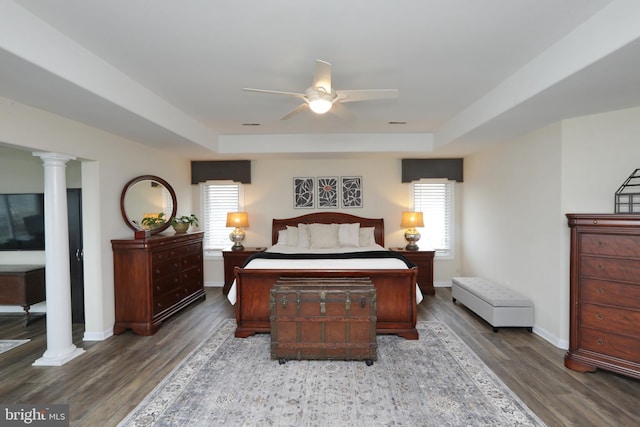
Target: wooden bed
395,288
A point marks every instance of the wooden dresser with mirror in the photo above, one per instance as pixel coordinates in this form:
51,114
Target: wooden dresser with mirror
157,273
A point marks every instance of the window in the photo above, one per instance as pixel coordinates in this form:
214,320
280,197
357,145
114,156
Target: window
218,198
435,201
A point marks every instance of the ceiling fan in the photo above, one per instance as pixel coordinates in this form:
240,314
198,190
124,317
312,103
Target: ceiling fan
320,97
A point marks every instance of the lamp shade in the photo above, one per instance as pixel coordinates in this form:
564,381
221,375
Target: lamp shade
412,219
237,219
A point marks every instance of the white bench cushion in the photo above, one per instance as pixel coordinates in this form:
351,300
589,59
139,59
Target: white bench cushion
497,305
495,295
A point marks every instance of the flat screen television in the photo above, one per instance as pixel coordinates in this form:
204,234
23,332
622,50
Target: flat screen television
22,222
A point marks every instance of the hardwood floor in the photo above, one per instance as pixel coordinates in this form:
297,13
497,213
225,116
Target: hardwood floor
103,385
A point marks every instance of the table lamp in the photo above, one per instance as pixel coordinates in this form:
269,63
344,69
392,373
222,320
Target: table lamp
237,220
412,220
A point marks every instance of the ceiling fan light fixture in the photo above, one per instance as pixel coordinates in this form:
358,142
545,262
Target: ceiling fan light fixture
320,103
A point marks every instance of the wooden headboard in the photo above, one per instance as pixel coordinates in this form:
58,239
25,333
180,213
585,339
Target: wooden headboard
328,218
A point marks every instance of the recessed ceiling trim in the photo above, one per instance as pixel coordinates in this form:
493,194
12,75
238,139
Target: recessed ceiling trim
585,45
326,143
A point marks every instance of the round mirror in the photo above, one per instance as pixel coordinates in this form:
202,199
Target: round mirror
148,203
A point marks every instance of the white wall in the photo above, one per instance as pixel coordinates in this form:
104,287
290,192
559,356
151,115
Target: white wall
518,193
599,152
512,221
270,195
107,162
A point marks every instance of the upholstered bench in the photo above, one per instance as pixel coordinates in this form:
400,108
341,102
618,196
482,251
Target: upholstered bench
499,306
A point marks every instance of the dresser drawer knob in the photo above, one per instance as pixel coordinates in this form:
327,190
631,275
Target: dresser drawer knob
601,244
600,341
599,316
600,291
601,267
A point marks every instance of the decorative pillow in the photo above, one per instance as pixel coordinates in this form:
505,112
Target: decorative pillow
303,236
367,237
292,236
282,237
323,236
349,235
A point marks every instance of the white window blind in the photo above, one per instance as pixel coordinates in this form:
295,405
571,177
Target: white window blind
217,200
435,201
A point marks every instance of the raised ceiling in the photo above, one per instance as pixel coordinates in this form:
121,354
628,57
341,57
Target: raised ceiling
170,73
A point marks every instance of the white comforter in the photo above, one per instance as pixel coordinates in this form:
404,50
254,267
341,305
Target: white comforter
318,264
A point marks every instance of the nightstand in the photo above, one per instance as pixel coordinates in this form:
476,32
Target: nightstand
424,261
233,259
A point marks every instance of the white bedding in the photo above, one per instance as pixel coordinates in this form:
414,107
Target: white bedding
347,264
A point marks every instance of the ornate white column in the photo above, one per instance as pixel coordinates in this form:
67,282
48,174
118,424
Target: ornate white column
60,347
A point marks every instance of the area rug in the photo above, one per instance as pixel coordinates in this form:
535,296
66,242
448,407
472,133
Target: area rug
6,345
434,381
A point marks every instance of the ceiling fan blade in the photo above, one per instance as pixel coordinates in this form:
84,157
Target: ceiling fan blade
295,111
275,92
366,94
342,112
322,76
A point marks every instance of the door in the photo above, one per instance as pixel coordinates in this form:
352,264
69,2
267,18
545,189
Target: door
74,208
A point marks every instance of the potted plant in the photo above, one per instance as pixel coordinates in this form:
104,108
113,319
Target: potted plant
153,222
182,223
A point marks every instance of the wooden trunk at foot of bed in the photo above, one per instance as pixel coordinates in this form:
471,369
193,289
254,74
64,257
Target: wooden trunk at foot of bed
395,289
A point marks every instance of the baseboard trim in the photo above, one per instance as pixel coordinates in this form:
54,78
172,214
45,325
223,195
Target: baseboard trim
97,336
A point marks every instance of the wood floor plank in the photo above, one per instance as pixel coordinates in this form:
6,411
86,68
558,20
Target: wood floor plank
103,385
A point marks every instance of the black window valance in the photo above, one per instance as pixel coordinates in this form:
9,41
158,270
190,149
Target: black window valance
414,169
234,170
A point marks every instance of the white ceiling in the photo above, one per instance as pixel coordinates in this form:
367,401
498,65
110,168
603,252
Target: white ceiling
169,73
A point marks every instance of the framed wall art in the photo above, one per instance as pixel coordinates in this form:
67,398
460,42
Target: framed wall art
327,192
303,192
351,187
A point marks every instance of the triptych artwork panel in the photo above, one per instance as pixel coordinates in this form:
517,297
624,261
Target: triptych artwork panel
327,192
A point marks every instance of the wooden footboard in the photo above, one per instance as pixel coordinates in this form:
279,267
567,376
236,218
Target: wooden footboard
396,298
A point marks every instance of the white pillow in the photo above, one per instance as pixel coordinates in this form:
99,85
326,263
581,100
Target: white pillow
323,236
292,236
282,237
304,236
349,235
367,237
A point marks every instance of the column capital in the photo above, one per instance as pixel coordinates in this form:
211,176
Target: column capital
47,156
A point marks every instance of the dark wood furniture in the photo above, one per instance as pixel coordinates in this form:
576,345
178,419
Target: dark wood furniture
235,259
22,285
323,319
424,261
605,293
155,278
395,288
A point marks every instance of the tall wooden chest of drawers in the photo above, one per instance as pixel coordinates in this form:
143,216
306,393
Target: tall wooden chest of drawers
154,278
323,318
605,293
